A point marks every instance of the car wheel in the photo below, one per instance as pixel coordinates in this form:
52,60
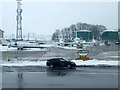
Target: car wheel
74,67
51,66
69,66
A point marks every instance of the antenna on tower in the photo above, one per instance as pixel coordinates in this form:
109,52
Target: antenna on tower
19,21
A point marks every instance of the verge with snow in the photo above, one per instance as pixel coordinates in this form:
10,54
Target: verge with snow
93,62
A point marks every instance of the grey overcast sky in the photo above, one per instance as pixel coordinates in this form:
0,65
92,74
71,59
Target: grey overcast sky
45,18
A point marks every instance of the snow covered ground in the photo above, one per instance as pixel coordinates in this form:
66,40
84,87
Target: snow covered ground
66,47
5,48
93,62
25,63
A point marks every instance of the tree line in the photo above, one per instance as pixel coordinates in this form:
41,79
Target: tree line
69,33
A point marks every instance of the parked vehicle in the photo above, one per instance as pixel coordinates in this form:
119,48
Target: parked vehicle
60,62
117,43
107,43
83,55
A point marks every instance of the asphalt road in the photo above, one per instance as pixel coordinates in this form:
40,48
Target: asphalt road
43,77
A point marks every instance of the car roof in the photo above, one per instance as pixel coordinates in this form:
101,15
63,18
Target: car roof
55,58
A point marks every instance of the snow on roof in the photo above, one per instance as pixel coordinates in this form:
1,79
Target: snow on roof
110,30
84,31
1,30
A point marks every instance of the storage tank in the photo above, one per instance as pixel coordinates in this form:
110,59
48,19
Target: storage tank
110,35
84,34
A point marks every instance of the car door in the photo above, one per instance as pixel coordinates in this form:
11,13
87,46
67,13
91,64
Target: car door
56,62
62,63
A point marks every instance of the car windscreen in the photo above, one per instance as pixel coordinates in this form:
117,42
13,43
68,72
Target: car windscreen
83,51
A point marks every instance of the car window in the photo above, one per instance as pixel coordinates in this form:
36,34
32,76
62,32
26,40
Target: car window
59,59
54,60
83,51
62,60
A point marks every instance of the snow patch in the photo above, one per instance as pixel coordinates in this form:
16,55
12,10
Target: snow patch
67,47
5,48
93,62
25,63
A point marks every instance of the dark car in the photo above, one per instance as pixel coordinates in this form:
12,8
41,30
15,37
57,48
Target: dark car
117,43
60,62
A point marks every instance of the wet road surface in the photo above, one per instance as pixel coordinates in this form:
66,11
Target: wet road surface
43,77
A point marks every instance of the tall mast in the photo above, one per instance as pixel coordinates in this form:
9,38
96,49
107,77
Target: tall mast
19,21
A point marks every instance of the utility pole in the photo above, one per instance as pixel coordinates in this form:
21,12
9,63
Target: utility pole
28,36
19,21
